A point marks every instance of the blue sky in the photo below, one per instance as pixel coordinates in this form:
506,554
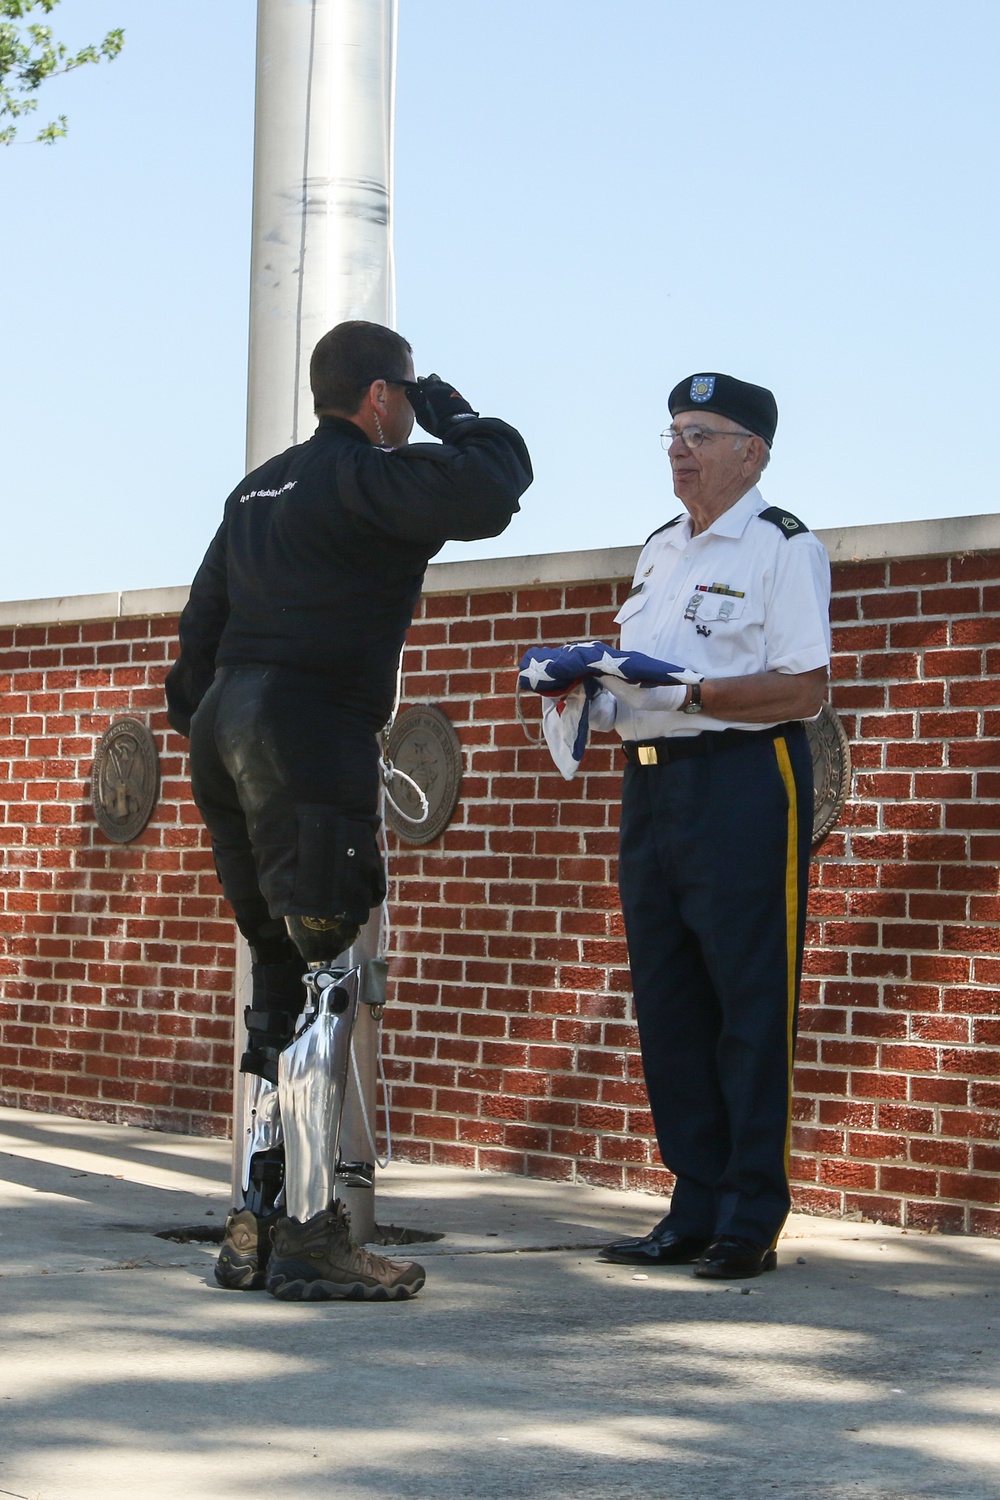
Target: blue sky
593,200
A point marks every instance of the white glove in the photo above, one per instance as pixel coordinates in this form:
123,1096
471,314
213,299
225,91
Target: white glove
603,710
645,699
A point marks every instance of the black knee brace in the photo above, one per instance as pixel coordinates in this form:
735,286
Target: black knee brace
268,937
278,995
278,998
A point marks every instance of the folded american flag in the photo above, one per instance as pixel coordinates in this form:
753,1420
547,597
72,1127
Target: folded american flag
570,677
555,669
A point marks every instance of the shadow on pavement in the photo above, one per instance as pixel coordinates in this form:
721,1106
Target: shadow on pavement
870,1371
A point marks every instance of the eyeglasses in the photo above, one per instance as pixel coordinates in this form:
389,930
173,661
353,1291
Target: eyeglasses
692,437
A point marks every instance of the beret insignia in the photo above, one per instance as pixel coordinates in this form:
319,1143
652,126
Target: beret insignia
752,406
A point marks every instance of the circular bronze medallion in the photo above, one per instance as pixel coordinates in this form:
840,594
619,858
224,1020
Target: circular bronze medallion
424,745
831,755
125,781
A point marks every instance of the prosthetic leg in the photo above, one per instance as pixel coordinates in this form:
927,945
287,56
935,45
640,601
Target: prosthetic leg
293,1106
277,999
313,1070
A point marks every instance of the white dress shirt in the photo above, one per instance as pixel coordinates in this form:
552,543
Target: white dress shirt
742,597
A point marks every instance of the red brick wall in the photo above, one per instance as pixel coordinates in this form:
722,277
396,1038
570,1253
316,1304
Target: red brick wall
509,1040
899,1053
116,960
511,1046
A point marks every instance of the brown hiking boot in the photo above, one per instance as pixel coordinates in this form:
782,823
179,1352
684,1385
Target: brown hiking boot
245,1249
319,1261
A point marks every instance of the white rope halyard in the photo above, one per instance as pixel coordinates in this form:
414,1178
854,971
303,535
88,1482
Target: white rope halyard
533,739
391,773
380,1161
388,773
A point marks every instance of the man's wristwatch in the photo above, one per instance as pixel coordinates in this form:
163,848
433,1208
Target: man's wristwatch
694,704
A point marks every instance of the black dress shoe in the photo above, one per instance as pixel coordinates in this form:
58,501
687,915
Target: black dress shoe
663,1246
733,1259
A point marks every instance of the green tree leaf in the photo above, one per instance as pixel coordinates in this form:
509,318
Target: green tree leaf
29,55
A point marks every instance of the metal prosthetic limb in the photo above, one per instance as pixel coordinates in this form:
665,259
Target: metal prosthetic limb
357,1131
262,1156
326,1118
260,1138
312,1086
277,997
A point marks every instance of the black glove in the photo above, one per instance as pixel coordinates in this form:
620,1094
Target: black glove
436,404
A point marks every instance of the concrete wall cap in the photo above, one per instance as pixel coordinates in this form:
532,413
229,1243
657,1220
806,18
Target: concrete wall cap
949,536
74,609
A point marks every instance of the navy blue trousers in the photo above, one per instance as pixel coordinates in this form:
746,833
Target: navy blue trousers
713,872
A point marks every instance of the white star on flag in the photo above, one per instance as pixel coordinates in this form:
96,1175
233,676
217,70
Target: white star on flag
536,673
610,666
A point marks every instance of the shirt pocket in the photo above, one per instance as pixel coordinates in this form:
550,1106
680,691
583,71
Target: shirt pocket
718,608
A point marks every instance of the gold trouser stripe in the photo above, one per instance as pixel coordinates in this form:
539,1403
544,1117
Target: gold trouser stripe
791,919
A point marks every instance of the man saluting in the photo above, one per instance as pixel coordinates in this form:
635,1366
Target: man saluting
286,675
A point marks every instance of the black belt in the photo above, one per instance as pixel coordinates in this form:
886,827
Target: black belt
709,742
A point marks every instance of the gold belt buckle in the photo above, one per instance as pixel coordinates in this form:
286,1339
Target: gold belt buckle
647,755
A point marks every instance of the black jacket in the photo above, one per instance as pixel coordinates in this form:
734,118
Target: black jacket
320,558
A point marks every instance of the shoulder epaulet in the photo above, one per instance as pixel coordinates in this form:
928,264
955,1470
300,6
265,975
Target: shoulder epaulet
665,527
786,523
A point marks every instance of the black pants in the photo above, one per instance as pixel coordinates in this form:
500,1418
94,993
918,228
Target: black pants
714,879
287,784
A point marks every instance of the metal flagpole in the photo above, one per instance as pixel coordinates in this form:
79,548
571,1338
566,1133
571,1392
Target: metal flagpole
322,253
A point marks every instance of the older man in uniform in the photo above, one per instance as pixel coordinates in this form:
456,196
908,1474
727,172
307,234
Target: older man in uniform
715,830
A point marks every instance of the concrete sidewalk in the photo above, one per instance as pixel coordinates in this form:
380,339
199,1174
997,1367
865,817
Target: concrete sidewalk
868,1366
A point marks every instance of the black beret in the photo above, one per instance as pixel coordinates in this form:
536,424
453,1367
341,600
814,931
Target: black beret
751,405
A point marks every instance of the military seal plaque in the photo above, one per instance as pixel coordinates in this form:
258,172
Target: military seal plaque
424,745
125,780
831,755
